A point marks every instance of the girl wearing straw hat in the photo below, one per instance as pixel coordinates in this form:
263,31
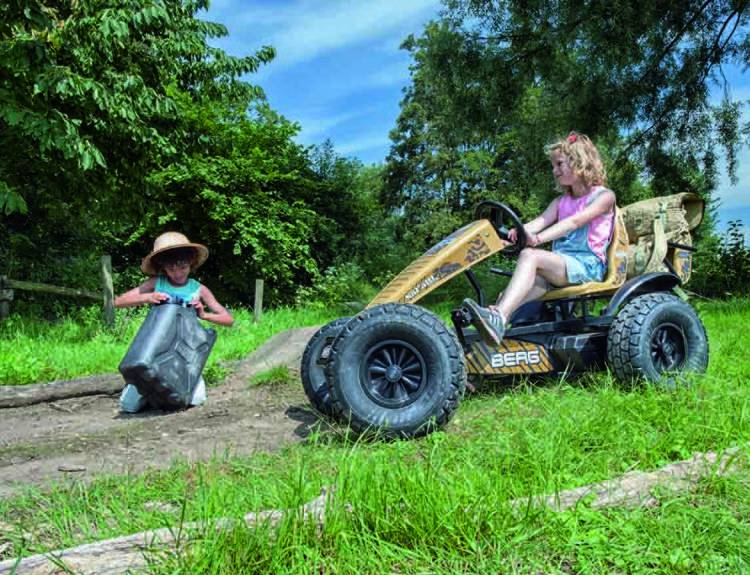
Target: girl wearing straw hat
169,264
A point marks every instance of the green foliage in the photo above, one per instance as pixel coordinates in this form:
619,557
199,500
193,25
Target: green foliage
89,113
722,265
119,121
242,191
339,284
214,373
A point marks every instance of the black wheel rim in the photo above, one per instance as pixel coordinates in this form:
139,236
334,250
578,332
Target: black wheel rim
394,374
668,346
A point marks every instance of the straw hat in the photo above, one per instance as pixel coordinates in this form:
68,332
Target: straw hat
170,241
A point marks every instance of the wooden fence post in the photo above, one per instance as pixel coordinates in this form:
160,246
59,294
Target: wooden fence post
258,308
108,291
6,296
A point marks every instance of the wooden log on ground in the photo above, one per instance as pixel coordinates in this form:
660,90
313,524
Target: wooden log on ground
636,488
20,395
128,554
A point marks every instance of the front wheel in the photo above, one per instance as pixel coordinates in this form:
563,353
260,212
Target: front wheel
397,369
658,337
312,373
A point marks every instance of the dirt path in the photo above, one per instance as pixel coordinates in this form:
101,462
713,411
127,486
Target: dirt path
79,438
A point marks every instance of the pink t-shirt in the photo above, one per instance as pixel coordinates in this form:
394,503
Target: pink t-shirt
600,228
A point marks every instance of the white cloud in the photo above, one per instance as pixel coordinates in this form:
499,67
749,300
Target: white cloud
311,28
315,125
364,143
397,73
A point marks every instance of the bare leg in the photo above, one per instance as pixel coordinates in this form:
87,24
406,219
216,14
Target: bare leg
541,286
533,264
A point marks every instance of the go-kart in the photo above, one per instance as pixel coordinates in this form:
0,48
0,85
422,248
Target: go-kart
398,369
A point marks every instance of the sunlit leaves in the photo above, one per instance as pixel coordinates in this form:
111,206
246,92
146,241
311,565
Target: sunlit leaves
10,200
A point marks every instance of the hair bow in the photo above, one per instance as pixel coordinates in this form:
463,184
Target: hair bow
572,138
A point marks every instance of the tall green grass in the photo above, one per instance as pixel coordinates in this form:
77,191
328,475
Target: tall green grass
38,351
441,504
35,351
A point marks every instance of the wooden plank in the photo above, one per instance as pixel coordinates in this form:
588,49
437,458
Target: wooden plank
108,291
258,307
33,286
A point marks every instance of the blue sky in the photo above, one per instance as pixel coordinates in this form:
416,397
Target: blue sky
339,72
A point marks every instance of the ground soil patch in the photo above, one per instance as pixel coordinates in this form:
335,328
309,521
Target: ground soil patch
79,438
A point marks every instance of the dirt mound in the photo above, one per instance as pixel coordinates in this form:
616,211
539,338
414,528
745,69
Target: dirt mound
79,437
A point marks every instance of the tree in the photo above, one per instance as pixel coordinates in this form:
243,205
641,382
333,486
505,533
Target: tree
118,121
492,82
88,111
86,88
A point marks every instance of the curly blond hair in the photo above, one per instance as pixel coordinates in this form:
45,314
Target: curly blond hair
583,157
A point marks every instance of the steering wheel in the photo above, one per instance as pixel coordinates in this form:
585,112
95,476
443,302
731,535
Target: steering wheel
498,215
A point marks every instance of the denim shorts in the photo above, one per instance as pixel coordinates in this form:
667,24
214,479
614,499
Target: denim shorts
583,268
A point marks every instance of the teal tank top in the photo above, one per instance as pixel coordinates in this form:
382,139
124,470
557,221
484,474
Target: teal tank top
183,294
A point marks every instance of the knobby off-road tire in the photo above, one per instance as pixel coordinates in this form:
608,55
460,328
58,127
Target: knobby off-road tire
313,375
658,337
396,370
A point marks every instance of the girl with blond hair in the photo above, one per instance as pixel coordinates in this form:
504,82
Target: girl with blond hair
579,224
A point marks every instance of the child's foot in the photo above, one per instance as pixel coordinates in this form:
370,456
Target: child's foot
490,324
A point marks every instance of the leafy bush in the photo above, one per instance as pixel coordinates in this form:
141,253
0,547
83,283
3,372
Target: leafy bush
339,284
722,265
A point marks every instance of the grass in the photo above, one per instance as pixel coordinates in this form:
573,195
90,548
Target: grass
39,351
441,504
280,374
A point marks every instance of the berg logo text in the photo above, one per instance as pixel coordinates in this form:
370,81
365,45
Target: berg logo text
514,358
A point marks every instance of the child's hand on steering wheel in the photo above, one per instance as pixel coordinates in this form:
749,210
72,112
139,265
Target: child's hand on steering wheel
532,239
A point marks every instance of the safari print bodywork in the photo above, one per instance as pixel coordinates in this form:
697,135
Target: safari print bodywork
445,260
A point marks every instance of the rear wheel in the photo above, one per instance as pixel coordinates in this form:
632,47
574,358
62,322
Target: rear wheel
312,374
398,369
658,337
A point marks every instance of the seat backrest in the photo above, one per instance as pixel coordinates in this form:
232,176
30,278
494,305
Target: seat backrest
617,252
617,267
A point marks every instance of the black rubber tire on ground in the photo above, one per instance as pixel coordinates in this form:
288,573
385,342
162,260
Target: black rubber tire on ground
657,336
396,370
313,375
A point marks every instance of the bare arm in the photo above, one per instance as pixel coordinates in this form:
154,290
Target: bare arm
603,204
140,295
548,217
218,313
